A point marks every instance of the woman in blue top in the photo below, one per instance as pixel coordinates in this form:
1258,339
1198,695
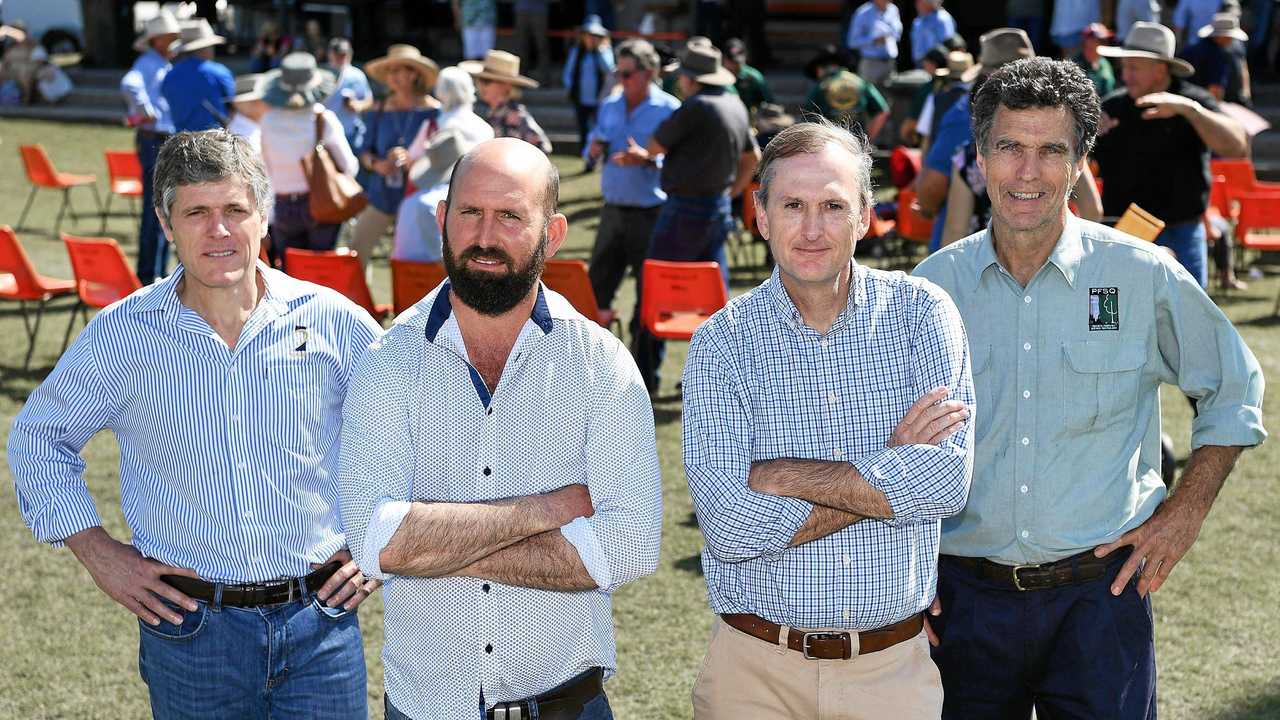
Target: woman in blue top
587,72
390,127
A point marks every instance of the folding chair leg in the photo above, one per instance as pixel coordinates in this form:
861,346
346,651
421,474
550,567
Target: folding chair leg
66,203
30,198
66,339
32,331
1275,310
106,210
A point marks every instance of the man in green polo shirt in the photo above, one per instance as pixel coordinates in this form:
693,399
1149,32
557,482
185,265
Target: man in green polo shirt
1044,577
750,85
843,97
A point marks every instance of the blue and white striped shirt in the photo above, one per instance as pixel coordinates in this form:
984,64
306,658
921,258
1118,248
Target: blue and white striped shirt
419,424
759,385
228,456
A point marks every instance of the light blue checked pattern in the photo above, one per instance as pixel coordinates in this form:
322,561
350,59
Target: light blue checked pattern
228,457
419,424
761,385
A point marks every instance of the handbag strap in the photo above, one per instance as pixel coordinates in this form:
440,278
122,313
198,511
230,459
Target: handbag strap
319,127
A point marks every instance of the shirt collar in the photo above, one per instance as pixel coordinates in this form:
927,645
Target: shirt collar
786,307
162,297
1066,256
442,309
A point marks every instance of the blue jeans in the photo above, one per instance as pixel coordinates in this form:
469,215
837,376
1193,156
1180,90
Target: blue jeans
596,709
1188,241
688,229
1074,651
153,250
297,659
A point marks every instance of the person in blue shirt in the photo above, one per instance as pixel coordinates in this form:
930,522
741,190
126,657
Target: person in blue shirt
1218,57
149,115
197,87
874,32
353,94
933,26
630,179
586,75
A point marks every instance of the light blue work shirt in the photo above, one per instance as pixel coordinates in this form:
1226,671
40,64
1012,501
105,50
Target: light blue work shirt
870,22
354,84
417,234
595,68
1067,372
141,89
930,30
633,185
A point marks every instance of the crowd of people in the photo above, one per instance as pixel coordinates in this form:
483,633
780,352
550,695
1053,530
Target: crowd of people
924,495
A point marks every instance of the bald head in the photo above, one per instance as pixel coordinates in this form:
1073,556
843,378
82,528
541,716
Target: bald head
517,159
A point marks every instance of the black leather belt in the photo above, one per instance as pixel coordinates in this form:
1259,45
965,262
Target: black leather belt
1078,568
562,703
253,594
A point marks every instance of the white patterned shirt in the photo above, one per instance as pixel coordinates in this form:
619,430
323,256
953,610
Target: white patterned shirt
759,385
420,424
227,455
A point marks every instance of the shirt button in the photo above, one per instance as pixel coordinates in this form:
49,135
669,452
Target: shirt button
248,514
838,453
825,343
1026,299
1023,489
235,418
831,398
846,614
488,648
1026,346
1026,534
1026,441
239,466
846,558
485,587
488,411
487,471
1026,394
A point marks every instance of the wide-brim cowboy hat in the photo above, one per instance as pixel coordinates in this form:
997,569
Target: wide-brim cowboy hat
297,83
999,47
498,66
442,153
959,62
197,35
702,62
1224,25
248,87
408,56
162,24
1151,41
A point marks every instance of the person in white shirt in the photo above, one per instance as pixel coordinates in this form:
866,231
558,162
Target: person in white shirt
457,95
290,131
247,110
417,233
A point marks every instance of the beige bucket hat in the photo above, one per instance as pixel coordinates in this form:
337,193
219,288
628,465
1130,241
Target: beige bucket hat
197,35
498,66
1152,41
162,24
402,54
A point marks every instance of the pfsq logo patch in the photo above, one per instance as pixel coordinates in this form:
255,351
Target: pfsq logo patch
1104,308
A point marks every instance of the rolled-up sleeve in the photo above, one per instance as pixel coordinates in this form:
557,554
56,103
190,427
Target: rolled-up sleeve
929,482
1205,356
44,446
737,522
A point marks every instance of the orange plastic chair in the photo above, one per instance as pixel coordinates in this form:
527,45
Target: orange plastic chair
103,275
412,280
570,279
677,297
911,224
340,270
41,174
1258,225
124,178
1240,175
20,282
1139,223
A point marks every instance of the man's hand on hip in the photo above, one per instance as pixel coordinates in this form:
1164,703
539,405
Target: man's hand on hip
129,578
347,586
1158,545
930,420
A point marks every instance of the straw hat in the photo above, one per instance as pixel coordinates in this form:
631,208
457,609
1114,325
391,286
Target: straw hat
401,54
443,151
197,35
1152,41
701,61
297,83
1224,25
959,62
248,87
999,47
162,24
499,66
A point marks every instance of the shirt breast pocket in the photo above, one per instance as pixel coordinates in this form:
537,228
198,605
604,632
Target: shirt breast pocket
297,394
1100,382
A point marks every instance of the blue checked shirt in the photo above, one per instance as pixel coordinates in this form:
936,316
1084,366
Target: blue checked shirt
228,456
1068,371
141,89
419,424
760,385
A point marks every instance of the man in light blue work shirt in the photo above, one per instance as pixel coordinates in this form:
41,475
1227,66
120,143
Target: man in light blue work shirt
149,115
1073,327
630,179
933,26
874,32
351,95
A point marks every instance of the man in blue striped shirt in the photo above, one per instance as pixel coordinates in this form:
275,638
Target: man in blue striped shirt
223,385
822,455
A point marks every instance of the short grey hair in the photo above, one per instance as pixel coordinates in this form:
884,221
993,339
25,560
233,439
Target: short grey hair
641,51
193,158
454,88
811,137
1039,83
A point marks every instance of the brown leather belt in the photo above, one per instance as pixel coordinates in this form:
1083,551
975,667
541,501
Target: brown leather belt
1081,567
827,645
562,703
253,594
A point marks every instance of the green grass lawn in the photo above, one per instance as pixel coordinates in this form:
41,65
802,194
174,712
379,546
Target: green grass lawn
72,653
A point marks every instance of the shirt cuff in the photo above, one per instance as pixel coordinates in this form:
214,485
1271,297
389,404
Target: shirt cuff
583,539
79,515
1239,425
886,472
386,519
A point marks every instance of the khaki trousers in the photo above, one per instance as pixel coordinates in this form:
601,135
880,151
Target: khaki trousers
745,677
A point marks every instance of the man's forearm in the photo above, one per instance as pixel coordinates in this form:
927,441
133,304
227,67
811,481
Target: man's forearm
836,485
546,561
1203,477
822,522
1221,134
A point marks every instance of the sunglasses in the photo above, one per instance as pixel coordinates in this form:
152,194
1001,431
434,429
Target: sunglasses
626,74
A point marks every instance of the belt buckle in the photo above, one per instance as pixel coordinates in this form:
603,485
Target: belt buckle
810,636
1017,581
508,711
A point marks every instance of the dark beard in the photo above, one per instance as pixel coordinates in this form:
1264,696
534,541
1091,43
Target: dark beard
492,293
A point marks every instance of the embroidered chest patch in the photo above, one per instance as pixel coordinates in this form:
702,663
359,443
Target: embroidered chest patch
1104,308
